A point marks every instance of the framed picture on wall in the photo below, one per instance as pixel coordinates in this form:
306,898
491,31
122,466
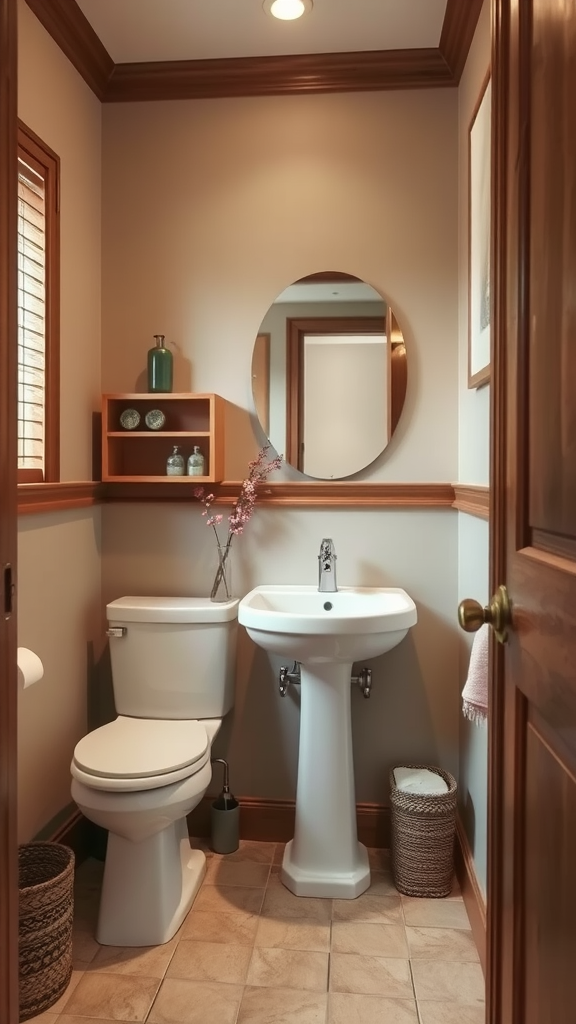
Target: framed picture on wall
479,241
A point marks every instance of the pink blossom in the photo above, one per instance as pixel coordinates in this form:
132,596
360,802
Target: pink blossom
258,471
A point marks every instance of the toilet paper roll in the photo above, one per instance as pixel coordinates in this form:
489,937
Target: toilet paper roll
30,668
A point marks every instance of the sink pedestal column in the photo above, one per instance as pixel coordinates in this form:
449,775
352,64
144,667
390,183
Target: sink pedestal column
325,857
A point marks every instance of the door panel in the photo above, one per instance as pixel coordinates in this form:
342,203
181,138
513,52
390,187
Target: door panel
8,695
532,882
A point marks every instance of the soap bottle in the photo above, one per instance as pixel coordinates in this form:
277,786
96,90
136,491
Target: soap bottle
196,463
175,463
159,366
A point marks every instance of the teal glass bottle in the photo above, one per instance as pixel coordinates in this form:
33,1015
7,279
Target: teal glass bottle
159,366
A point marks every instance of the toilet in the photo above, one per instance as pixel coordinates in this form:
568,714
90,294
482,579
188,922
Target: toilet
173,662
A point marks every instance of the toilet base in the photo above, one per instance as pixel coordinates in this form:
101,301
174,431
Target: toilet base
148,887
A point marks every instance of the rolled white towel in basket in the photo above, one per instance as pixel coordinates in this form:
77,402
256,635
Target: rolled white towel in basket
419,780
475,692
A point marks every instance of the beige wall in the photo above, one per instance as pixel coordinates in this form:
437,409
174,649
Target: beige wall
473,466
59,555
210,209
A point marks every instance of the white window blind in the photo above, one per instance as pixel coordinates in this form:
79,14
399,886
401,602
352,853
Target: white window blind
31,317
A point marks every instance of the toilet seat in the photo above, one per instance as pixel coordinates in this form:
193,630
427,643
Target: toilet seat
131,754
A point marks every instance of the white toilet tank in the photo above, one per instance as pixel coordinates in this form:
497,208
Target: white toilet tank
173,657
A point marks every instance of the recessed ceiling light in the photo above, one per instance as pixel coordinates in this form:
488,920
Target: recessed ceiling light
287,10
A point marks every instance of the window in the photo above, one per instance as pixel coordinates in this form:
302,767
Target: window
38,310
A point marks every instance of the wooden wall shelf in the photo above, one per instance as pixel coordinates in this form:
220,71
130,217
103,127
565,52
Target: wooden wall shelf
139,456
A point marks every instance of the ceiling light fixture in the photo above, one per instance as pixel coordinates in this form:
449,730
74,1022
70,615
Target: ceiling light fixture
287,10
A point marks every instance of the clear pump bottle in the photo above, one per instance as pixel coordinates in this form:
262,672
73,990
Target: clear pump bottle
196,463
175,463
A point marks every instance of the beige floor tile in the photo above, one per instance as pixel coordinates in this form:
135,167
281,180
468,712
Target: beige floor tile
293,935
388,940
282,1006
278,853
67,1018
114,997
382,884
283,905
202,843
84,946
344,1008
443,913
260,853
137,961
195,1002
371,975
217,926
450,1013
210,961
228,899
61,1003
288,968
441,944
48,1017
247,872
450,982
378,859
369,908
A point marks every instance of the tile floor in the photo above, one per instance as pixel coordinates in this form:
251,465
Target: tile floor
250,952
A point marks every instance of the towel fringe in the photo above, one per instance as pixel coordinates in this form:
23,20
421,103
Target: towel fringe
474,713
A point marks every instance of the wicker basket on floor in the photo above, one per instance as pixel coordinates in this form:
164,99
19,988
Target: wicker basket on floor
423,828
46,907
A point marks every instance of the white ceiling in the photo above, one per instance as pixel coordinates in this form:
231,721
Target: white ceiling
164,30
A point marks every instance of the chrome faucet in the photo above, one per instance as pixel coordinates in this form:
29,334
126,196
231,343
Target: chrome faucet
327,567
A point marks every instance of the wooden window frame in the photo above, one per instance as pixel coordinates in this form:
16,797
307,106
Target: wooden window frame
31,148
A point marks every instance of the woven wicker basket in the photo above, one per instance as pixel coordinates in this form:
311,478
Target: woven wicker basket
46,905
423,828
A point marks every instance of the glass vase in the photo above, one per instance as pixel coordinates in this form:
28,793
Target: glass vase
222,584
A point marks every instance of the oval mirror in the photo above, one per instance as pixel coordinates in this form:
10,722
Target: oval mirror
329,375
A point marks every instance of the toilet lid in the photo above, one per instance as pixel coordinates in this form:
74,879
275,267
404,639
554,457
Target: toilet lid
132,748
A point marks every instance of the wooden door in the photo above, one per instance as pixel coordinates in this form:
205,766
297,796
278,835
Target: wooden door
532,833
8,696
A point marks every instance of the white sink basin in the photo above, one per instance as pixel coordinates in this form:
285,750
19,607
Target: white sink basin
326,633
314,627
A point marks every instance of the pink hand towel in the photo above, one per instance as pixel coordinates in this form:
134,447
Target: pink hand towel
475,692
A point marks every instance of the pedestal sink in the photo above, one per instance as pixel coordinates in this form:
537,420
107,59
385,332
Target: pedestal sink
326,633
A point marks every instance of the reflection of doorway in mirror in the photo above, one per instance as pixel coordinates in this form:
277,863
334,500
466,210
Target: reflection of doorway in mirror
261,380
344,420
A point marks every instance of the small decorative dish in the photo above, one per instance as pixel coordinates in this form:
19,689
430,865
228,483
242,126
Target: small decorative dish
129,419
155,419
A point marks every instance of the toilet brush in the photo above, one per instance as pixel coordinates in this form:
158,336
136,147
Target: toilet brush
225,816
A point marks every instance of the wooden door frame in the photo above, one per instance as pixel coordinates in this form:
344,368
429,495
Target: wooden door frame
509,254
8,462
296,329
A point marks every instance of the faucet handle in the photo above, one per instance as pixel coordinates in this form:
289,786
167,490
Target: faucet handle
327,550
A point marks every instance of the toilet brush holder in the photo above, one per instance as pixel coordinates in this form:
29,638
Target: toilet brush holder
225,817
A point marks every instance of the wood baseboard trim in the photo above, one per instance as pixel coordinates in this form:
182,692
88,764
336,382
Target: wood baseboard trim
471,892
272,821
77,833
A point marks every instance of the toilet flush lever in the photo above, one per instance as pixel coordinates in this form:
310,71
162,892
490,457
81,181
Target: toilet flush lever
116,631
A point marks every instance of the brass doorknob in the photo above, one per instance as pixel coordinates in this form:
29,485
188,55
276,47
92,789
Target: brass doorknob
497,613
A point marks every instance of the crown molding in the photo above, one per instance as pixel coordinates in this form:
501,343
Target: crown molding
361,71
458,29
372,70
74,34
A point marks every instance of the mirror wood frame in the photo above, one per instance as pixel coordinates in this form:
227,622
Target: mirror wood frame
297,328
